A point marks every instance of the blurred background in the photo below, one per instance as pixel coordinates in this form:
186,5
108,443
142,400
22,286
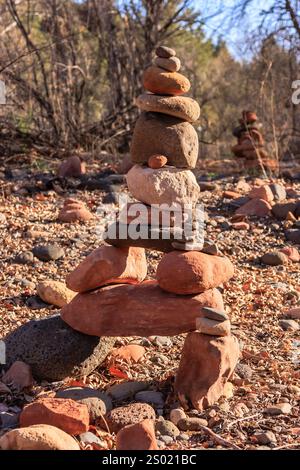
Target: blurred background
72,70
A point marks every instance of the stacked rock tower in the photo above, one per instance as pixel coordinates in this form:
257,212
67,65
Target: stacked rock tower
114,298
250,143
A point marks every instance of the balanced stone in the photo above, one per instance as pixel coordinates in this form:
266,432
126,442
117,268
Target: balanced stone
181,107
213,327
140,310
192,272
54,350
172,64
157,161
165,135
163,239
164,186
107,265
162,82
207,362
165,52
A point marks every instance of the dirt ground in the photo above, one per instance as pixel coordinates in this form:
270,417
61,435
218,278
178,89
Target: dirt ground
256,299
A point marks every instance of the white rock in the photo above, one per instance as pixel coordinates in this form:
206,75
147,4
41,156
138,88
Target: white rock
167,185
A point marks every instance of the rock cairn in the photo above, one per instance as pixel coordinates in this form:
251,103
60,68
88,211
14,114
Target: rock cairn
250,145
114,299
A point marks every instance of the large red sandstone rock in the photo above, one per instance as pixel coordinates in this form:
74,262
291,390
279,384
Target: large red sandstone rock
257,207
140,310
207,362
162,82
192,272
140,436
68,415
108,265
72,167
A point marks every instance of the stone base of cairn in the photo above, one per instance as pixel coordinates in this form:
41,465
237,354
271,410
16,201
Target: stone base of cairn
114,299
250,146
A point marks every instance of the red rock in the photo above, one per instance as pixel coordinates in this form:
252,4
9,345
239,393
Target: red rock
65,414
240,226
231,195
192,272
161,82
157,161
206,364
293,313
139,310
292,253
73,211
108,265
19,375
140,436
249,117
72,167
129,353
262,192
257,207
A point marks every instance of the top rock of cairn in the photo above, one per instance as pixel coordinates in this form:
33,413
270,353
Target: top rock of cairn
165,122
163,78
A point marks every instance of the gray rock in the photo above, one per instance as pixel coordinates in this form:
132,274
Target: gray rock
278,191
278,409
210,248
35,303
54,350
149,396
239,202
293,235
8,420
191,424
48,252
289,325
98,402
168,440
266,437
122,391
207,185
281,209
162,341
214,314
123,416
89,438
166,428
244,371
275,258
165,52
24,258
176,415
183,437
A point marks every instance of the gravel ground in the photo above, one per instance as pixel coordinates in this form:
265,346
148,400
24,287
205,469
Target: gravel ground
256,299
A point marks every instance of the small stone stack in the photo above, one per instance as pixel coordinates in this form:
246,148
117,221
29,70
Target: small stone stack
114,299
250,146
164,149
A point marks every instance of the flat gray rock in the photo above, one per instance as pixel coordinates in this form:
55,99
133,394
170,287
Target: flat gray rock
54,350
